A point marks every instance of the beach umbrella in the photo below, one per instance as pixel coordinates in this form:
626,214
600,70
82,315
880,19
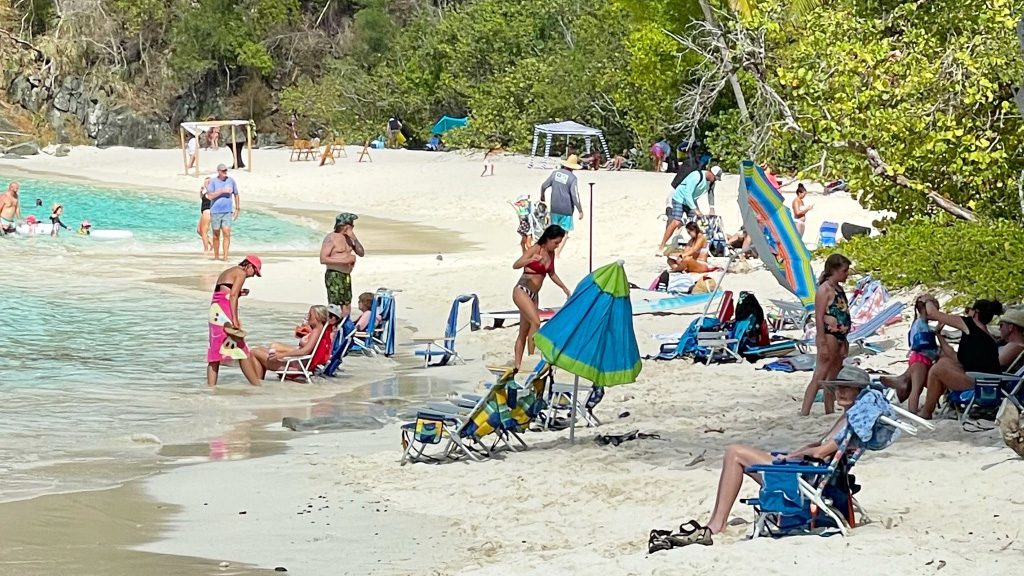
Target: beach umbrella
446,123
774,235
592,336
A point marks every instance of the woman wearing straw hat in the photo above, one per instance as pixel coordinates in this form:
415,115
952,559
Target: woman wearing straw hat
565,198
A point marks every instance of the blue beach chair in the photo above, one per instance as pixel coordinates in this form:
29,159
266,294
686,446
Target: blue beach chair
378,339
818,497
444,347
988,393
827,235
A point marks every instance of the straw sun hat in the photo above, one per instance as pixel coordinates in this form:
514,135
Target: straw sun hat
572,162
1014,316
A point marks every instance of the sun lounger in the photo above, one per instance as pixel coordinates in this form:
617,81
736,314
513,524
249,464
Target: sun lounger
444,346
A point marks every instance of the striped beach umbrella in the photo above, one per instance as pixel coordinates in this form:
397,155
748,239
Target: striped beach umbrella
774,235
592,336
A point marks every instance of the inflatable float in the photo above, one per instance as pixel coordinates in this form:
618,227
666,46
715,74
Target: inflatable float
44,229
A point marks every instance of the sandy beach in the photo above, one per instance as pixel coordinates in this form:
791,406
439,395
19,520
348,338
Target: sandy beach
338,502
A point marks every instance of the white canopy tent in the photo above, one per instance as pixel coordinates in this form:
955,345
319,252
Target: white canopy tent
197,128
567,128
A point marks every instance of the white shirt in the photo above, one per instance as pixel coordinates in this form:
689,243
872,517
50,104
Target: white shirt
192,145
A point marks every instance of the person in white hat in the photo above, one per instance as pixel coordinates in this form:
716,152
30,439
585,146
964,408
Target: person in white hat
222,191
565,198
682,202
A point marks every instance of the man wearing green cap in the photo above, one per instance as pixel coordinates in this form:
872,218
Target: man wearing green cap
338,253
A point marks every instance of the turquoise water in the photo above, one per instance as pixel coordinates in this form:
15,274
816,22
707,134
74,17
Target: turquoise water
152,217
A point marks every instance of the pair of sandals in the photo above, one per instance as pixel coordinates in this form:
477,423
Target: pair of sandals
616,439
689,533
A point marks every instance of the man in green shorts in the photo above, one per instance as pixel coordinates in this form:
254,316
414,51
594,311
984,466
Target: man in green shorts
338,253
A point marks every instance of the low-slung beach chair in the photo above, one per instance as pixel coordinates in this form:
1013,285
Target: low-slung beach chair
988,393
828,234
458,435
303,150
809,497
859,335
443,347
379,336
299,367
792,313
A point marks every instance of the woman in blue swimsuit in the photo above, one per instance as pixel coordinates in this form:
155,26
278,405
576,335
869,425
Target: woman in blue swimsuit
832,322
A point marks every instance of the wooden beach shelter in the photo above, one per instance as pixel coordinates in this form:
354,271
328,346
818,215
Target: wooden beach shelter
197,128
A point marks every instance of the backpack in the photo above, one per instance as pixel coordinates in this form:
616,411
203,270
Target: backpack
748,306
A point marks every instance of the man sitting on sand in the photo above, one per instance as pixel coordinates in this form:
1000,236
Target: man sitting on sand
738,458
338,253
10,209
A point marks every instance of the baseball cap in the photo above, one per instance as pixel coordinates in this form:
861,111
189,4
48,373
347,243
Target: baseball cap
717,171
335,310
222,167
256,263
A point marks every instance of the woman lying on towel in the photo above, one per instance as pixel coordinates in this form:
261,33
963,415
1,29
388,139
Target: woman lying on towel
694,256
272,357
738,458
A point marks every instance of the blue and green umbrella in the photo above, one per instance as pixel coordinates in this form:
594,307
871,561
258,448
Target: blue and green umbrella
592,336
446,123
773,233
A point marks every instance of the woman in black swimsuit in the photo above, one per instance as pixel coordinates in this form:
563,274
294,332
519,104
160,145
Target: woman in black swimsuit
536,263
978,351
203,228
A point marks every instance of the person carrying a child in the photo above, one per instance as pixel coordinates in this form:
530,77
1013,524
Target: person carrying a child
924,351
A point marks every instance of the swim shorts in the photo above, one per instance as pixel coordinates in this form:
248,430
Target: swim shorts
679,211
919,358
220,220
562,220
339,287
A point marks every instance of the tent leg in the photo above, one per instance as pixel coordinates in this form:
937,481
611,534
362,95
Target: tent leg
184,154
547,151
533,149
248,144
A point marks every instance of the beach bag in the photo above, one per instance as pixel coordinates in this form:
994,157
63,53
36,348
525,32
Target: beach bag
748,306
705,285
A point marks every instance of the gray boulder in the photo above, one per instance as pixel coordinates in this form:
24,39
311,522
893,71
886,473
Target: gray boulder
30,148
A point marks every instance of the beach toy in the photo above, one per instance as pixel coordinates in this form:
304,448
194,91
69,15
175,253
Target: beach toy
111,234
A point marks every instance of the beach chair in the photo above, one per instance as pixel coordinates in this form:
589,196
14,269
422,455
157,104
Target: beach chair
988,393
792,313
526,401
302,150
443,347
561,400
828,234
812,497
328,154
859,335
379,336
459,434
299,367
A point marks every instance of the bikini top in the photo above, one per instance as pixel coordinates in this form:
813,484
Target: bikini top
538,267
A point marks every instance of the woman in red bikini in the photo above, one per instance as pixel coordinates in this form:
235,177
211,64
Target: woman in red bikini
537,262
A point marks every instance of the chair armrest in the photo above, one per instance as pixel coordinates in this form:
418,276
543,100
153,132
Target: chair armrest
789,468
983,376
425,339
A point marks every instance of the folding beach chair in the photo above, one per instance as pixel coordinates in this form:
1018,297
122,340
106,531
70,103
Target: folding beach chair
827,235
560,406
460,434
444,346
791,313
859,335
300,367
379,336
818,497
988,393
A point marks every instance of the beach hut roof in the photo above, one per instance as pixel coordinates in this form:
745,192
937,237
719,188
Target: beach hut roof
194,128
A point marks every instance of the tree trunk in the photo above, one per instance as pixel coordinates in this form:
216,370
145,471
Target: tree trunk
741,102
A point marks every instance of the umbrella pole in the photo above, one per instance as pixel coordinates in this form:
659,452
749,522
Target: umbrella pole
590,258
718,288
572,417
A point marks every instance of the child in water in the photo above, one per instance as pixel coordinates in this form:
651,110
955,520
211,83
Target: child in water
55,220
86,228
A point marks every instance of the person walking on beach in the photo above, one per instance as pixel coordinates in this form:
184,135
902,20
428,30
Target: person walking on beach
203,227
338,253
227,338
536,263
832,323
682,201
10,209
222,191
565,198
489,157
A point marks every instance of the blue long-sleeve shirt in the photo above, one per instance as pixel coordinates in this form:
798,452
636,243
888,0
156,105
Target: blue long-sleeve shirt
690,189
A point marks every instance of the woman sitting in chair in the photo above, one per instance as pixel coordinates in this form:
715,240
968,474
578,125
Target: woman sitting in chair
738,458
694,257
272,358
978,351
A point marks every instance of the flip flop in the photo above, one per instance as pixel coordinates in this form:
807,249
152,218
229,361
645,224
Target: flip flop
236,333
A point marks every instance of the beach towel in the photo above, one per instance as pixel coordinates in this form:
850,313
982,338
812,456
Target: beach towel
862,419
223,347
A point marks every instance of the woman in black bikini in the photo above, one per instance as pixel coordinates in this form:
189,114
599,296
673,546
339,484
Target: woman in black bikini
832,323
978,351
537,262
203,228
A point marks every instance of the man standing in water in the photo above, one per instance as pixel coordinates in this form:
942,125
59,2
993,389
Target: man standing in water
10,209
222,191
338,253
565,198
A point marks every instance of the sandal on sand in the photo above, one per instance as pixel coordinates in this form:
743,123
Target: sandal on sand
690,533
657,541
236,333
